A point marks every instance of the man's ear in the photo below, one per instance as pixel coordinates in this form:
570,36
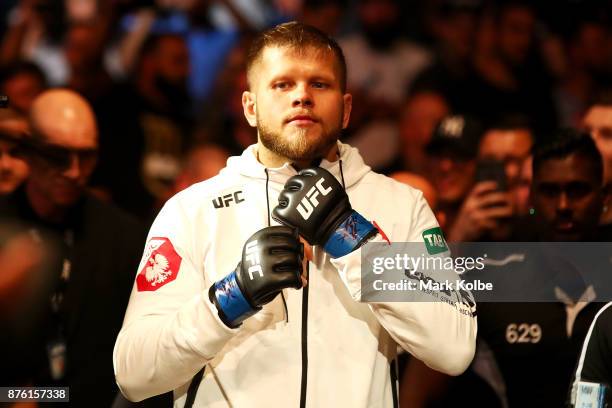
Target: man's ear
249,108
348,105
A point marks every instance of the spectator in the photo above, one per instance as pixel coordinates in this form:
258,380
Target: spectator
229,129
325,15
36,29
567,197
201,163
522,199
452,157
13,168
146,128
381,67
508,142
419,116
598,122
22,82
420,183
511,77
567,189
490,209
587,69
536,365
84,53
208,44
454,26
71,344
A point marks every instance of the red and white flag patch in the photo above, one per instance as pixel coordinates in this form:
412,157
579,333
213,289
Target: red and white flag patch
161,266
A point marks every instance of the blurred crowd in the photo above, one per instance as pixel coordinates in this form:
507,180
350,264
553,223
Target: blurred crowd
164,78
126,102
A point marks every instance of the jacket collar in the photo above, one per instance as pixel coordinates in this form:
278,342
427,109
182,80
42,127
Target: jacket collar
247,165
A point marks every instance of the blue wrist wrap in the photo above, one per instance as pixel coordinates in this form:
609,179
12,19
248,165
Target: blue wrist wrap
349,235
231,301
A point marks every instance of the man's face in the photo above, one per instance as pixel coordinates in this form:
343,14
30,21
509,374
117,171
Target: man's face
13,169
419,119
567,198
172,58
62,164
458,31
452,176
516,29
508,146
80,49
22,89
598,122
592,47
296,103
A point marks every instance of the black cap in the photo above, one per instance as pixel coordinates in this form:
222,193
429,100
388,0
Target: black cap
457,134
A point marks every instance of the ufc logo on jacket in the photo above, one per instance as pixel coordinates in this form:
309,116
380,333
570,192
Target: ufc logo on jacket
310,202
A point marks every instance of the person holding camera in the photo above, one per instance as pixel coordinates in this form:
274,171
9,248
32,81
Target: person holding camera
487,167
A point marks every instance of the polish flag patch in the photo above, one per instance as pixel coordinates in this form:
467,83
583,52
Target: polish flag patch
161,266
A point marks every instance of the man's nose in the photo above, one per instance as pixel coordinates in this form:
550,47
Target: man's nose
73,171
563,202
5,161
446,164
302,97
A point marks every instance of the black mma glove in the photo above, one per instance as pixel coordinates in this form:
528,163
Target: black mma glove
271,261
317,205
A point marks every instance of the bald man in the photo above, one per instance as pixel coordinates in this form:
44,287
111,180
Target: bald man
65,140
70,339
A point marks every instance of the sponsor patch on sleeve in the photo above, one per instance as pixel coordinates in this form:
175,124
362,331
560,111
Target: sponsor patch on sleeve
161,265
434,241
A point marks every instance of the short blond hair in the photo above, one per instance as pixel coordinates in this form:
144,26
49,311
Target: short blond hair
297,36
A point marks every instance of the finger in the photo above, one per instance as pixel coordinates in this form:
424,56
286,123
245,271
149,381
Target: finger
484,187
488,225
497,212
491,199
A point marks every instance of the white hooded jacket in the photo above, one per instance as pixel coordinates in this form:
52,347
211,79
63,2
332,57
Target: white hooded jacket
324,348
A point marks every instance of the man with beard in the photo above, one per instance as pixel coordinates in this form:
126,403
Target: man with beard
277,331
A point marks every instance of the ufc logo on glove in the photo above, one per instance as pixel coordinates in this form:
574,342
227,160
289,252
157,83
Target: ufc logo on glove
310,202
252,255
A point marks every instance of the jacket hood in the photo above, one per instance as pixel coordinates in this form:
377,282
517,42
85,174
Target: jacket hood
247,165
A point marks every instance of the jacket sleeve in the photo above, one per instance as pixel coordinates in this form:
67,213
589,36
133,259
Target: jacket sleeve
170,329
441,334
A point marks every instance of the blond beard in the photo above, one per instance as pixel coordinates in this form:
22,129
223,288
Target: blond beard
299,148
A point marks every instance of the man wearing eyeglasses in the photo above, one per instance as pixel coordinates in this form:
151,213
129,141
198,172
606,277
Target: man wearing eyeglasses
70,340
